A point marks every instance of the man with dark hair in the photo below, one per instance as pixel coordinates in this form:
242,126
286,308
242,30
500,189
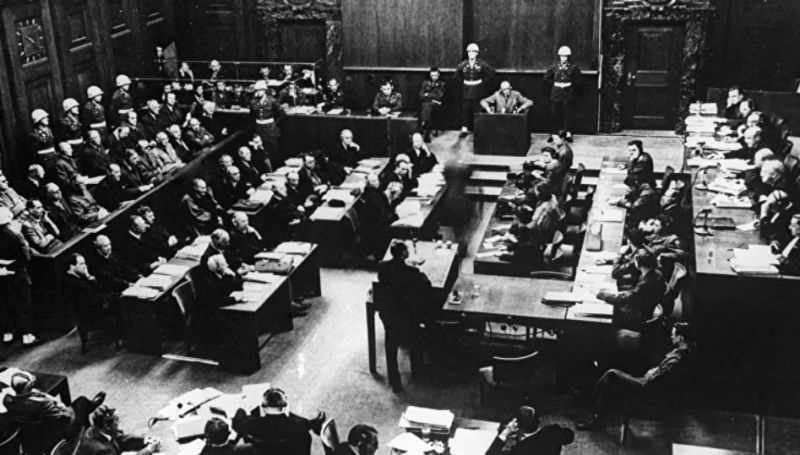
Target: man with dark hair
431,95
39,230
735,97
563,149
217,434
639,166
245,241
91,303
615,385
529,437
140,254
387,101
104,437
271,428
32,186
634,307
377,215
402,297
157,235
422,159
332,96
93,158
361,440
233,188
60,212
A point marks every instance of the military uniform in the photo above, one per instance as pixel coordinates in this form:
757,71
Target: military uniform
430,96
72,131
94,117
393,101
564,79
121,104
474,77
42,150
266,114
332,99
502,104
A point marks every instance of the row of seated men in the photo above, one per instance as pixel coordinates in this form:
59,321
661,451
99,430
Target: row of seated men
743,113
91,427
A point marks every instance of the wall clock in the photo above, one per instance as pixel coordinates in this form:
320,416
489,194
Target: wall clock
30,40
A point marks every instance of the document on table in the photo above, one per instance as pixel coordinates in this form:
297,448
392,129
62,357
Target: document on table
407,208
434,418
592,310
410,444
469,442
294,248
140,293
608,215
339,194
156,281
172,270
325,212
262,277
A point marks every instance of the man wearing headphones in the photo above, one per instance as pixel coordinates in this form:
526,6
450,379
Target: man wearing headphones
271,428
217,434
525,435
362,440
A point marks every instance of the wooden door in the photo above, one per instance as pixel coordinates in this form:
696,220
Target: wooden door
77,25
652,75
302,41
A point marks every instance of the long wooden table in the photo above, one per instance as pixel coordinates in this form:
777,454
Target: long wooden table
441,268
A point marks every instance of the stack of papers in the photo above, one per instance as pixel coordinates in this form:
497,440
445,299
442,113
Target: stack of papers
371,163
592,310
410,444
703,108
727,186
353,185
469,442
293,162
156,281
326,212
736,165
294,248
339,194
141,293
261,196
262,277
408,208
608,215
755,259
191,252
725,201
696,124
439,420
189,400
554,297
172,270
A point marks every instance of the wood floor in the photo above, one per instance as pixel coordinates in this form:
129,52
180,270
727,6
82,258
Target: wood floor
322,364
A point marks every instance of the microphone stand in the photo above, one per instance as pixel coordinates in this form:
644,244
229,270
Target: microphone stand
703,230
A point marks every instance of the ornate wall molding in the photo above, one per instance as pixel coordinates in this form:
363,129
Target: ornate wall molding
617,14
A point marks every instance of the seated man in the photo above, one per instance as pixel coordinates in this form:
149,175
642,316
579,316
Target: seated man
346,153
10,198
104,437
312,182
643,202
422,159
182,149
135,130
615,385
209,121
639,166
262,159
271,428
233,188
547,214
197,137
431,95
39,230
60,212
634,307
200,211
506,101
549,170
157,235
361,440
32,186
403,173
217,435
788,250
387,101
113,191
653,235
404,305
530,437
113,275
249,169
151,121
751,143
140,254
291,95
220,244
564,153
85,207
776,206
94,158
136,172
332,97
245,241
376,217
752,177
166,153
91,303
213,282
523,245
43,417
735,97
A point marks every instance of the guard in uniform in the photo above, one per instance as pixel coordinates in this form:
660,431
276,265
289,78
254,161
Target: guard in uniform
41,141
564,78
94,114
266,114
332,97
71,127
474,74
430,96
121,100
387,101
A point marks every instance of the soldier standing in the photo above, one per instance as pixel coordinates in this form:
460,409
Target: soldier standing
71,127
474,73
563,78
121,100
41,140
94,114
266,113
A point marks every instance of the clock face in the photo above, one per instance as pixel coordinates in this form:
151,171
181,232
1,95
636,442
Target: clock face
30,40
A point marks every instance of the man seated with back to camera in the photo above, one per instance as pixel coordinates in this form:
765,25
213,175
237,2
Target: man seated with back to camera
523,245
632,308
525,435
377,215
217,435
271,428
93,305
361,440
214,280
104,437
668,377
654,236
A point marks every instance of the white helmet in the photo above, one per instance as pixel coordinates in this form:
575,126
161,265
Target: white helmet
93,91
69,103
472,47
5,216
260,85
123,80
38,114
564,50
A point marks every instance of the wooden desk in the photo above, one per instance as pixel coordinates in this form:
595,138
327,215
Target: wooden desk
377,135
425,224
441,268
327,214
493,264
502,134
306,272
56,385
684,449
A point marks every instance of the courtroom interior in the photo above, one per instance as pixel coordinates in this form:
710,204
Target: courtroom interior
358,227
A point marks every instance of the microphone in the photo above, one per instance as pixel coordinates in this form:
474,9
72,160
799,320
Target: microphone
703,230
703,185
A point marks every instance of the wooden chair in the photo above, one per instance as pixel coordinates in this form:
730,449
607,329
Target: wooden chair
184,297
11,445
507,372
61,448
329,436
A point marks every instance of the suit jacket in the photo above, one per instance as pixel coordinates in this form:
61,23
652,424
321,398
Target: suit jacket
66,174
408,290
213,291
640,170
212,124
791,262
30,190
93,442
36,231
250,173
84,207
308,180
14,246
234,261
38,408
93,160
62,216
409,183
151,125
111,193
168,117
287,435
228,195
423,162
548,440
112,274
200,213
245,245
345,156
632,308
502,104
138,253
86,298
182,149
197,139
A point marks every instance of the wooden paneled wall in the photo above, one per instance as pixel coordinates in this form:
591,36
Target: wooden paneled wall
402,33
57,48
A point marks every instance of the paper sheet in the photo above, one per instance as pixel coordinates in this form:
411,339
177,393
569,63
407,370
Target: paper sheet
469,442
410,444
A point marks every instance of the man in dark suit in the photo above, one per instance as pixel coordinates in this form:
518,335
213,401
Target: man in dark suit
233,188
529,437
32,186
221,244
176,139
312,182
634,307
91,304
201,213
789,250
346,152
105,438
377,215
15,282
60,212
93,158
422,159
214,281
251,173
245,242
639,166
113,275
668,376
171,113
151,121
112,191
271,429
217,434
402,173
403,305
137,252
362,440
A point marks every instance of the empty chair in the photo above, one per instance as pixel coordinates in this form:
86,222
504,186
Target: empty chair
508,372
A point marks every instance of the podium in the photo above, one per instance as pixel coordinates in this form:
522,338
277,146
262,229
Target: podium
502,134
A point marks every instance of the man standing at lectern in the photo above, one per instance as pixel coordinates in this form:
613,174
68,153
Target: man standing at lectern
564,78
474,74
